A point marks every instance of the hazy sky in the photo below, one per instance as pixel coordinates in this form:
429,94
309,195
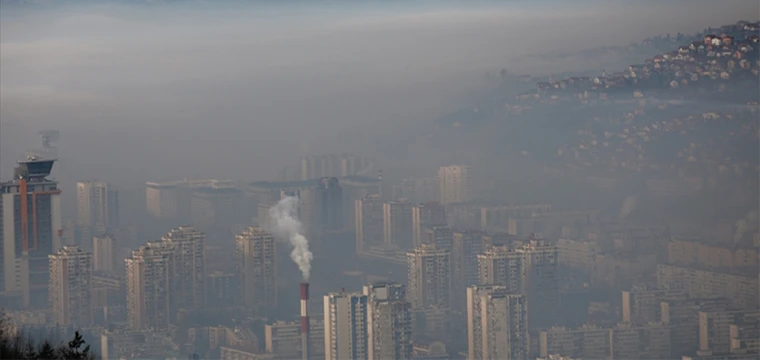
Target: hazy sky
238,91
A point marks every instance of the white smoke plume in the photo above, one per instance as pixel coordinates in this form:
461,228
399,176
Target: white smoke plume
629,204
285,225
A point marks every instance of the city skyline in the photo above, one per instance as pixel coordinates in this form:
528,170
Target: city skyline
380,181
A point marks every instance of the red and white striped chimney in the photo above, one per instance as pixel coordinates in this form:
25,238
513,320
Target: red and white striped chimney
304,321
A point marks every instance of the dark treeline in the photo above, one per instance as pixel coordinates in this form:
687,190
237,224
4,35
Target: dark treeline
20,346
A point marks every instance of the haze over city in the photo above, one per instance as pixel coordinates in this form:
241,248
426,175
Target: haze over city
363,150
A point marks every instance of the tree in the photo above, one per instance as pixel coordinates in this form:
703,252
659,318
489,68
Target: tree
47,352
74,350
14,346
30,352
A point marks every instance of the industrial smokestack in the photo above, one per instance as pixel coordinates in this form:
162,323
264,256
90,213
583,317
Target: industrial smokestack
305,321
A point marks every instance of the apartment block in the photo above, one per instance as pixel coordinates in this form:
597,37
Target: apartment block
651,341
464,261
187,251
531,269
620,342
741,290
389,322
97,208
71,287
104,253
691,252
148,291
587,342
369,222
222,289
397,223
642,305
257,269
429,291
145,344
284,339
426,215
454,184
346,333
715,328
429,270
172,199
497,323
578,255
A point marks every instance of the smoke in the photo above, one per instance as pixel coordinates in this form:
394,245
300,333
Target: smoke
629,204
284,224
745,225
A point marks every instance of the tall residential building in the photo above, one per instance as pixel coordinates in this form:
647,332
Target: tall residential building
97,208
397,223
440,236
426,215
171,199
429,270
148,291
497,323
453,183
429,292
345,321
71,287
474,318
464,263
389,322
104,253
222,289
187,247
257,269
30,230
530,269
369,222
329,204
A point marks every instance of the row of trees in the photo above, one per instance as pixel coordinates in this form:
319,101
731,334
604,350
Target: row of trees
19,346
